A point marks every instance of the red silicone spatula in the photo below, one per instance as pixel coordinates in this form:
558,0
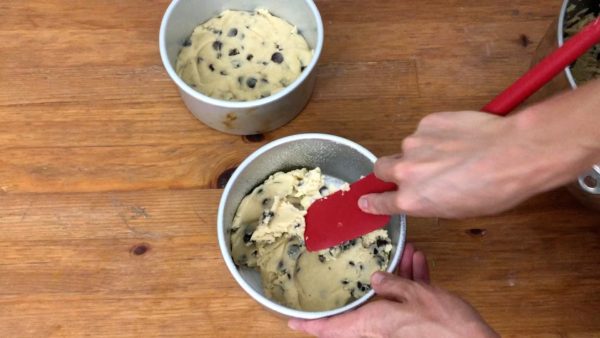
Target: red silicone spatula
337,218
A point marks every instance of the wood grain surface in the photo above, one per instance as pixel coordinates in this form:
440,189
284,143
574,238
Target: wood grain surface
109,186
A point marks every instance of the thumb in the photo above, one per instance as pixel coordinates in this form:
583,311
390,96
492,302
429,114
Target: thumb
391,286
385,203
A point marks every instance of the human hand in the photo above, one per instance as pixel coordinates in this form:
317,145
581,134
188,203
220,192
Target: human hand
466,164
410,308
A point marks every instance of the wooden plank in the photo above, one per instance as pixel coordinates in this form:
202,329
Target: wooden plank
75,253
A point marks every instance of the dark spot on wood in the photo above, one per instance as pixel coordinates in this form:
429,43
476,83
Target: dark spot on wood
140,249
476,232
224,177
524,40
253,138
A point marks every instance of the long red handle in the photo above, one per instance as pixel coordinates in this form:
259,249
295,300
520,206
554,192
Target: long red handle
545,70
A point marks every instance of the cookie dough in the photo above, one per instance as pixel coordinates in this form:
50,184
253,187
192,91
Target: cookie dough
267,234
241,56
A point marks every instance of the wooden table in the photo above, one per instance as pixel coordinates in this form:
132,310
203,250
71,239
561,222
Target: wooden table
109,186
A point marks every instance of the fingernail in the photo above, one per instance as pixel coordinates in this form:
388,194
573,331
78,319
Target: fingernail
294,324
377,278
363,203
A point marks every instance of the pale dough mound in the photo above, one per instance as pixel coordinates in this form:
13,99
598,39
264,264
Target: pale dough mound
267,233
241,56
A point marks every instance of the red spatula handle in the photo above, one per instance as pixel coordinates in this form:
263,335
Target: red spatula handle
545,70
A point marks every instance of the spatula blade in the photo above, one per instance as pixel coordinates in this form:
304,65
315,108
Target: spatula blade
337,218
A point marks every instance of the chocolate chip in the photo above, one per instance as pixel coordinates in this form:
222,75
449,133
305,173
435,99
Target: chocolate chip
280,265
266,201
251,82
302,68
321,258
382,242
278,47
296,226
249,57
187,42
360,266
224,73
289,276
211,67
345,282
233,52
232,32
199,59
267,214
233,230
265,63
277,57
217,45
293,251
247,236
351,263
363,287
375,251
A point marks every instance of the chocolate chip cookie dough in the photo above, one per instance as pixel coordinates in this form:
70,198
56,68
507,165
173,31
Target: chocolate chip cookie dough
267,234
241,56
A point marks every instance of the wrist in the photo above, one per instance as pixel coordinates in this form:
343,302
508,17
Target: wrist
561,136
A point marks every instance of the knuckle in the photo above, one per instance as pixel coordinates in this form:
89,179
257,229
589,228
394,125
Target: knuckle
411,142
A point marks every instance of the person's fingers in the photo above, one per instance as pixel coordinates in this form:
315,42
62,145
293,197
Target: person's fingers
420,270
387,168
380,204
350,324
391,286
406,263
